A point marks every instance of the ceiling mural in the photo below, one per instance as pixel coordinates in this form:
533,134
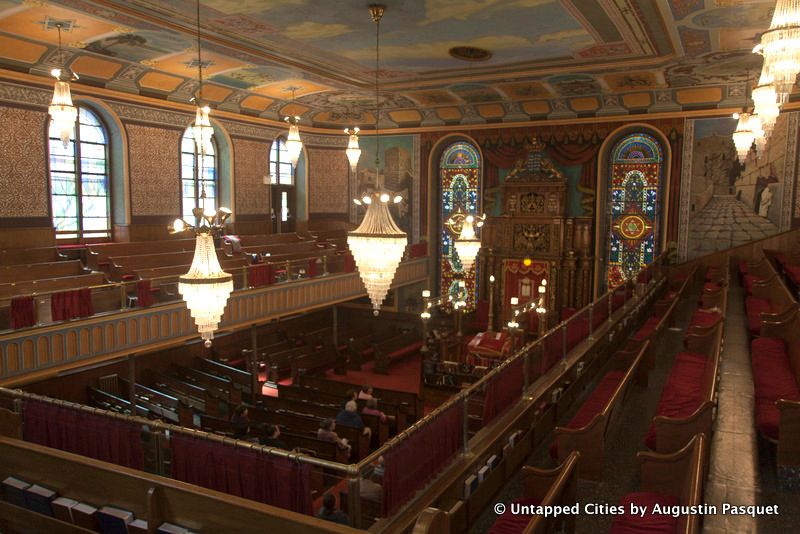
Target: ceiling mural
545,58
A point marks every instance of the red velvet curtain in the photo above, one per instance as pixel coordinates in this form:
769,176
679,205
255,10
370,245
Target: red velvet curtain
67,305
515,272
349,263
312,267
421,456
502,391
22,312
242,472
144,293
257,275
584,154
87,434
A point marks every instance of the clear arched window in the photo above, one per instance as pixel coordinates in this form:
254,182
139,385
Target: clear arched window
460,174
281,170
79,181
282,191
634,205
196,174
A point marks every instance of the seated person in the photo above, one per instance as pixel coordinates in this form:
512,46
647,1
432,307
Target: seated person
349,417
328,512
241,422
272,438
326,432
349,396
366,392
372,409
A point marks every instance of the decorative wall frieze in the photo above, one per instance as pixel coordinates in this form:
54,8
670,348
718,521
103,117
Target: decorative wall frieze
686,190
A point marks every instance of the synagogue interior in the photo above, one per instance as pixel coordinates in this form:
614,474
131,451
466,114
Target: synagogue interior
426,266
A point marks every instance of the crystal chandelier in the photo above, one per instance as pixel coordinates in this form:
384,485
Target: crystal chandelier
206,287
293,143
780,46
765,103
202,131
467,243
62,113
744,135
353,150
378,243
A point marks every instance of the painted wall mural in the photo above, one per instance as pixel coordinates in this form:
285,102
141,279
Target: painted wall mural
725,203
399,167
329,171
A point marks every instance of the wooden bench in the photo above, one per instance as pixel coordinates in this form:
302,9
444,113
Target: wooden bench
674,479
769,300
97,255
113,403
123,266
241,379
319,361
221,388
36,271
775,358
588,429
394,349
158,403
50,285
30,255
540,487
688,399
194,395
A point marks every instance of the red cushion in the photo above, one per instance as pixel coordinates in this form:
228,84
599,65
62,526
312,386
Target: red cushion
793,272
682,394
628,523
767,419
710,286
743,267
405,351
647,328
703,317
755,307
781,259
509,523
594,404
748,282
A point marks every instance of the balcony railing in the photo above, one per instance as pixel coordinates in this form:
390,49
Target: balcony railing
123,330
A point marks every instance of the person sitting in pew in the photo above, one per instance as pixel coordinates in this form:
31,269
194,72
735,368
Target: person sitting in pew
241,422
272,438
366,392
328,512
327,432
349,396
372,409
349,417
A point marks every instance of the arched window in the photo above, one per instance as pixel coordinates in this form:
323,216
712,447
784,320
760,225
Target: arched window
634,205
192,180
79,184
460,172
281,172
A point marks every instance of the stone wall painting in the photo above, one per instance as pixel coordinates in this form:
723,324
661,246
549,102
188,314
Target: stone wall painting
328,176
728,203
399,169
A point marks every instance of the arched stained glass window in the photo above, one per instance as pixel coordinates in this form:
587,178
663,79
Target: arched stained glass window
460,171
192,182
634,205
79,182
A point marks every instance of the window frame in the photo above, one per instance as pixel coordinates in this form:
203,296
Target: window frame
188,134
275,178
79,235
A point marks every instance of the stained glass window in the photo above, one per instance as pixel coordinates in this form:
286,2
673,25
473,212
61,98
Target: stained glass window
634,201
192,182
281,170
460,170
79,189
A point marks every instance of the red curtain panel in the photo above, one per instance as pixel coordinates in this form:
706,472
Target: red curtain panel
502,391
23,314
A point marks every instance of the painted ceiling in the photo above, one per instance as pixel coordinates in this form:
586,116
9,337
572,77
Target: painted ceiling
550,58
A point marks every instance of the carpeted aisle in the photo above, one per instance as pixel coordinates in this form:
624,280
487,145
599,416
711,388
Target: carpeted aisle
403,376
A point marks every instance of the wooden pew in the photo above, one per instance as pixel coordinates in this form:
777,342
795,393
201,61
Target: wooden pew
775,358
675,424
589,427
319,361
221,388
97,255
241,379
669,479
405,400
127,265
35,271
111,402
395,348
48,285
548,487
197,397
19,256
172,407
770,300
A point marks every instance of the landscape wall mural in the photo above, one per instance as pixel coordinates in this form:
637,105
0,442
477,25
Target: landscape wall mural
399,167
725,203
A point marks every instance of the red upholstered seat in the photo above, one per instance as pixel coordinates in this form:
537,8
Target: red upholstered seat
628,523
367,354
743,269
647,328
509,523
748,282
755,307
793,272
710,286
703,317
773,379
594,404
681,395
782,260
405,351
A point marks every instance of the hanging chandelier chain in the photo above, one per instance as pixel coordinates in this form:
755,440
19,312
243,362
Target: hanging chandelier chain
199,61
377,101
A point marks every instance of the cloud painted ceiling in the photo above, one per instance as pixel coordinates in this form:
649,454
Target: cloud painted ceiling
550,58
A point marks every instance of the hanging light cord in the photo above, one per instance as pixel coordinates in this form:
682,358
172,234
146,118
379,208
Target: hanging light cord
199,62
201,155
377,103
